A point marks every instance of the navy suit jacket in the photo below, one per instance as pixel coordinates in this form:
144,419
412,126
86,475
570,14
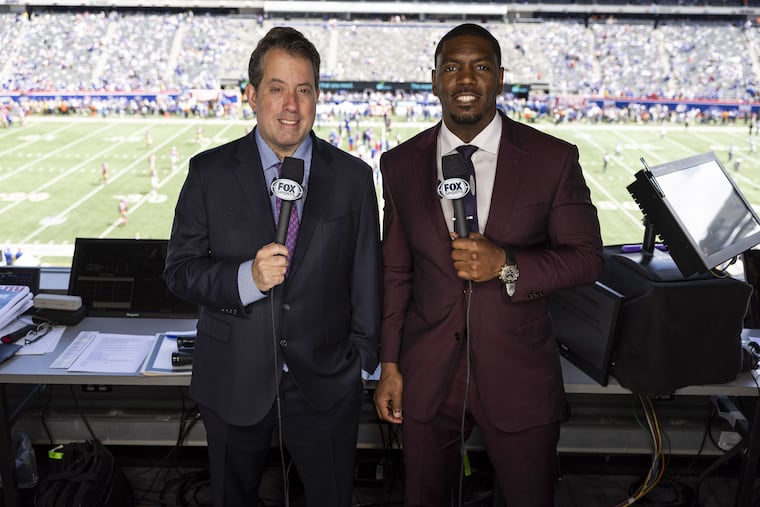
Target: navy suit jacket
542,209
323,321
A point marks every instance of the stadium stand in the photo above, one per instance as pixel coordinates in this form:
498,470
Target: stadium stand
122,58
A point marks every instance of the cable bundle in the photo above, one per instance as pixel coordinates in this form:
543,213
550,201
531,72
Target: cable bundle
658,462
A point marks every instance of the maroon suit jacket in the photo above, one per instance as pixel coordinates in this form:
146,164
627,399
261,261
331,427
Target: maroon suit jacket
541,208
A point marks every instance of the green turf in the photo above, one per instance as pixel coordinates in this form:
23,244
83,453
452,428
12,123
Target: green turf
51,188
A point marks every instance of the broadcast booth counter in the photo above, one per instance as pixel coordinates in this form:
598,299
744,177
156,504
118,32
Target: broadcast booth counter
658,327
134,409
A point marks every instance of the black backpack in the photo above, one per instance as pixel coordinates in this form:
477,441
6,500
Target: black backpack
83,474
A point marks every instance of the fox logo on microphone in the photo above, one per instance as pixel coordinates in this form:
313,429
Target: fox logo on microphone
453,188
287,190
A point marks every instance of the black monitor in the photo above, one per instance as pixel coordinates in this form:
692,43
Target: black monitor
124,278
584,321
694,205
21,275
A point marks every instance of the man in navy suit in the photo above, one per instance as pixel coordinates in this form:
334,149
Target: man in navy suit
466,334
284,335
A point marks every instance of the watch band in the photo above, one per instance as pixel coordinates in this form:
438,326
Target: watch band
509,273
510,256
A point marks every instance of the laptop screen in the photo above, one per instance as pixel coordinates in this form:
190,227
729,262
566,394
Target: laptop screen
124,278
584,324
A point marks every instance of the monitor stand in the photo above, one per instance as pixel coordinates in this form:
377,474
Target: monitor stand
651,262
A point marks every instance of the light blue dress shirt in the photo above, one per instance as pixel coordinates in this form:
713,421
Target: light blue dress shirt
249,293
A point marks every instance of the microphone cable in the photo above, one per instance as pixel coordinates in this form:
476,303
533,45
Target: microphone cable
278,403
462,449
291,169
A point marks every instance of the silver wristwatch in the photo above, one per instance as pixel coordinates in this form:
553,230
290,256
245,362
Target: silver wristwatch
509,273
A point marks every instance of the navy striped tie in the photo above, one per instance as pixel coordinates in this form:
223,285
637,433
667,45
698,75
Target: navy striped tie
290,238
470,201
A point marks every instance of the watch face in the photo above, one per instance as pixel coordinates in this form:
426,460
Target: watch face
509,274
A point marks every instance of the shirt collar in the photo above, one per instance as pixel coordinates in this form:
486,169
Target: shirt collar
269,158
487,140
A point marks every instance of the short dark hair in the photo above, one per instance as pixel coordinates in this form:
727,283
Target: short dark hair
288,39
473,30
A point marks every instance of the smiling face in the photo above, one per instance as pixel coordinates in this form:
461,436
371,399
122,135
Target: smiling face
467,78
285,101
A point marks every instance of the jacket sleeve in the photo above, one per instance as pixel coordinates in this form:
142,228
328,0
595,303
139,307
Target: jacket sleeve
572,254
191,271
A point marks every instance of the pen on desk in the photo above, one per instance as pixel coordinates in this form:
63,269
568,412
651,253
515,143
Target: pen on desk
637,248
15,335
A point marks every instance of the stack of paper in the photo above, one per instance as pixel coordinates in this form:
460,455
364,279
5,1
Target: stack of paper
14,300
105,353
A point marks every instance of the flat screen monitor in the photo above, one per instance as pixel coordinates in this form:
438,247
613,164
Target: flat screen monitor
584,324
20,275
124,278
694,205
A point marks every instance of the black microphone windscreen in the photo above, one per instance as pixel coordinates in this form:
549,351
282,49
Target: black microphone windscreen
453,166
292,169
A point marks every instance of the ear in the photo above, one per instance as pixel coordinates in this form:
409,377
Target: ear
250,95
433,81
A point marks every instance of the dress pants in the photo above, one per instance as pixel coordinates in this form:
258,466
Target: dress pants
321,444
525,462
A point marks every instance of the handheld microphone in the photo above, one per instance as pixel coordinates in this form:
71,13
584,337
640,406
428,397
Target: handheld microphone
455,186
288,188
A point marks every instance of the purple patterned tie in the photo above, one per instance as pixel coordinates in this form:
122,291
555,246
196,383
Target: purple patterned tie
470,201
290,238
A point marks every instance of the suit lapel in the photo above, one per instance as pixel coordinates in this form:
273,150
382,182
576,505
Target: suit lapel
507,181
424,171
250,176
318,192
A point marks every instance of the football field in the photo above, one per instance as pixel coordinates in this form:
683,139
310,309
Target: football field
52,186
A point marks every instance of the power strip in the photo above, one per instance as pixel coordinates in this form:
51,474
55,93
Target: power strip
57,302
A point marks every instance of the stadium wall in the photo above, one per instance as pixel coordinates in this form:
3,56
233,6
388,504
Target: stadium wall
737,108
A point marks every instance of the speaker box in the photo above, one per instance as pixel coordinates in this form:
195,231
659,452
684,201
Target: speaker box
673,332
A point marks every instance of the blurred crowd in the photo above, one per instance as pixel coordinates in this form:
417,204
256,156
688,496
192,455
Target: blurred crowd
160,64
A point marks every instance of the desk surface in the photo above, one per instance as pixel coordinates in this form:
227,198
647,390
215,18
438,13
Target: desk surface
36,370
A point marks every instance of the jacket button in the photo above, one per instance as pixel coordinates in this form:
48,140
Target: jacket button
283,343
457,337
285,306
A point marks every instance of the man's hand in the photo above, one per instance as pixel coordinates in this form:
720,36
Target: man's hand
388,393
269,266
476,258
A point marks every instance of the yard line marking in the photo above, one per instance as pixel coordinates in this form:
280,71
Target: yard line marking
95,191
60,176
603,190
116,223
53,153
28,130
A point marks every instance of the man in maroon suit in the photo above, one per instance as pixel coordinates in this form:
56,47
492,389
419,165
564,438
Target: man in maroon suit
466,336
